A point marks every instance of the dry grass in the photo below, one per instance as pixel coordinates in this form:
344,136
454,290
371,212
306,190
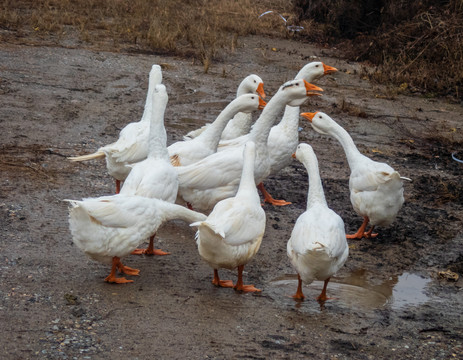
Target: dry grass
197,28
415,45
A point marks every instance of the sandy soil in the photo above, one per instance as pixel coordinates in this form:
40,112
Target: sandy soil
390,301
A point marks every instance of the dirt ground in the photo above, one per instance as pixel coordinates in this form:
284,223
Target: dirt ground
389,300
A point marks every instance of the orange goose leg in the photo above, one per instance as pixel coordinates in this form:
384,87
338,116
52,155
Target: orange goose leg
322,297
299,295
150,250
239,284
221,283
118,186
361,231
269,199
117,264
369,234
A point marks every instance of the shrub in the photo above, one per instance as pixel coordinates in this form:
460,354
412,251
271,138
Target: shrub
416,44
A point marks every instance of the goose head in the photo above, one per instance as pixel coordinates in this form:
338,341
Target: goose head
315,70
252,84
155,76
298,90
160,96
250,102
321,122
303,151
249,150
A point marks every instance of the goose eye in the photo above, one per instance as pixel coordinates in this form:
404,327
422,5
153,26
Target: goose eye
316,65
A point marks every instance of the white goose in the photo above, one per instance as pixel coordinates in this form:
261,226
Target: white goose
241,122
205,144
376,189
317,247
217,176
154,177
132,145
110,227
232,233
284,137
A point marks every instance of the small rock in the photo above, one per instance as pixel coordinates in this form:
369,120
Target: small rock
78,312
71,299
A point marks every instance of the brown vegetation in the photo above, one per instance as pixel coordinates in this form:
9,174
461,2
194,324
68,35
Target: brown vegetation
415,45
196,28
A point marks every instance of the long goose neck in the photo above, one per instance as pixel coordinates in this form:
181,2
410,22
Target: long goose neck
176,212
346,142
149,98
241,119
157,146
154,79
290,120
148,105
247,185
261,128
316,193
211,135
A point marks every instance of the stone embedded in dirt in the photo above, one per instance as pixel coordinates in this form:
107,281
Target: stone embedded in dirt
71,299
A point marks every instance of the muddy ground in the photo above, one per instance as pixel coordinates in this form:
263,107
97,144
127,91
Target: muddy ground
390,301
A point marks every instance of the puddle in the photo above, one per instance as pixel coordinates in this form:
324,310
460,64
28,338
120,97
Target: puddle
409,291
358,290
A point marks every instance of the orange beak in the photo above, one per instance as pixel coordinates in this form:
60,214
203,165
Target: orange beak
310,87
260,90
309,116
329,69
262,104
293,155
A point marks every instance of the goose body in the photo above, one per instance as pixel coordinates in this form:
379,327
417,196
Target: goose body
205,144
241,122
217,176
232,233
376,189
154,177
317,247
284,136
109,228
132,144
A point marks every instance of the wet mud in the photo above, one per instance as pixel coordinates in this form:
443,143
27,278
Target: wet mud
392,299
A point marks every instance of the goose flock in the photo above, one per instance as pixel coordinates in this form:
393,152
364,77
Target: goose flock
211,179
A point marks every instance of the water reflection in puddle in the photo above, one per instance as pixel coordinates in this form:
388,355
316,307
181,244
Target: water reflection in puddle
359,289
409,291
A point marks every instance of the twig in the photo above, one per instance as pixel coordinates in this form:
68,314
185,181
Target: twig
416,58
